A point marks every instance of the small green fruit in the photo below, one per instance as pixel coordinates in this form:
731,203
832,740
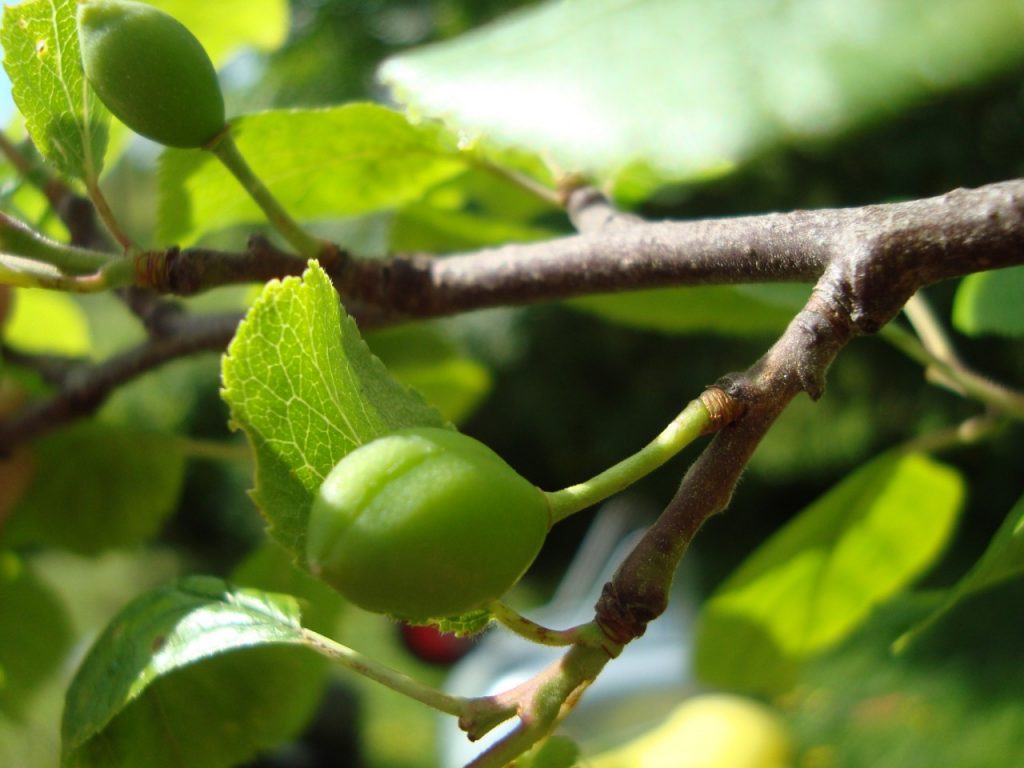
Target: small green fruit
151,72
424,523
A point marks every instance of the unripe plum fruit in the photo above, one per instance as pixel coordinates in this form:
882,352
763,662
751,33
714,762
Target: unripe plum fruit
424,523
151,72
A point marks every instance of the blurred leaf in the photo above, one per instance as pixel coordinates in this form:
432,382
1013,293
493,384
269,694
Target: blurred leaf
36,633
16,472
650,91
43,60
991,302
48,322
421,357
231,24
725,310
197,674
819,577
1001,561
554,752
98,487
162,399
422,228
319,163
301,383
91,590
955,701
396,731
270,568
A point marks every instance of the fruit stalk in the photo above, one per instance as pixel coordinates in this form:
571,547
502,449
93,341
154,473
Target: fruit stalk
690,424
391,678
226,150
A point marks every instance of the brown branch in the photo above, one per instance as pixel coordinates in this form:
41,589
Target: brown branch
871,259
79,216
639,590
86,387
881,255
914,244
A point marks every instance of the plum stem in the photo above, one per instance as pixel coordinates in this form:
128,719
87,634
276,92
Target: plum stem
691,423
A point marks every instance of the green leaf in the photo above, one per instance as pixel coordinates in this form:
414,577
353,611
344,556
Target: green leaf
1002,560
650,91
271,569
464,625
198,673
303,385
43,60
819,577
98,487
724,310
36,633
231,24
422,357
991,302
956,702
435,230
49,322
554,752
319,163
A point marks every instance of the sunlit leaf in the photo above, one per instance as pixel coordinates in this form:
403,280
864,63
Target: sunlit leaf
43,61
225,27
819,577
1002,560
198,673
48,322
320,164
645,92
303,385
991,302
271,569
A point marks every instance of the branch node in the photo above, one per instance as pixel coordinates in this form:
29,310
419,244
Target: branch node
623,620
722,408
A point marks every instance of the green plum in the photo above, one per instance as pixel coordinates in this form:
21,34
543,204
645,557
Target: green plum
151,72
425,523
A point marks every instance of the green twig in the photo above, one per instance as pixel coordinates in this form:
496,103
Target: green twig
521,180
542,702
215,450
106,214
386,676
693,421
226,150
531,630
964,380
29,260
19,240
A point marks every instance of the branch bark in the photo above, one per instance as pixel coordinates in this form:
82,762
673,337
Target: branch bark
867,262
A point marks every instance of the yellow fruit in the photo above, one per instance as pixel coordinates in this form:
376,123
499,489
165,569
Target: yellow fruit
708,731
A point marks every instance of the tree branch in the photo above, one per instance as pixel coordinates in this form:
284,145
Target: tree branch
867,261
798,361
85,387
914,244
879,252
880,256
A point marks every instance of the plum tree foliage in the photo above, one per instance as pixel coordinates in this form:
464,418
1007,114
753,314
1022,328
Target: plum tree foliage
597,176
